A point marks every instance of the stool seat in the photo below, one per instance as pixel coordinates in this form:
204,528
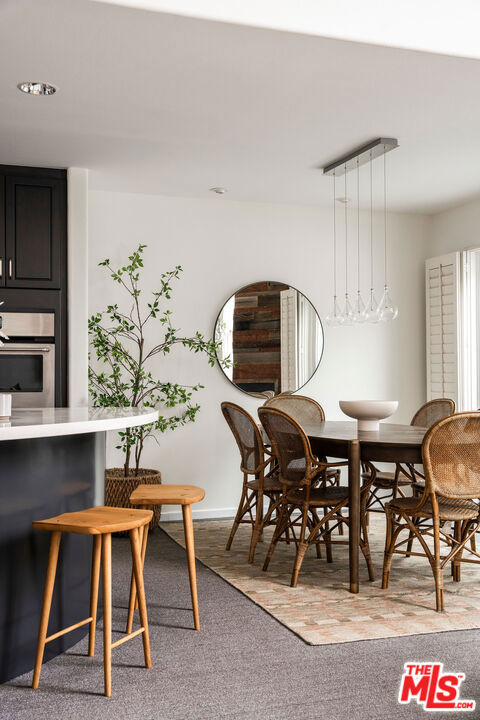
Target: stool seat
166,495
96,521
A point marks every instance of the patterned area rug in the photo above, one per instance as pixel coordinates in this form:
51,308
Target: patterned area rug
320,609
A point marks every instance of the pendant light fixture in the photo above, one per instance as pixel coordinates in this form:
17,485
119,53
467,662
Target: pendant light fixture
372,307
387,310
373,312
348,311
335,317
360,314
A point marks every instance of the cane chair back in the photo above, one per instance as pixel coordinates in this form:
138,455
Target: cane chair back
247,434
433,411
451,457
290,445
303,409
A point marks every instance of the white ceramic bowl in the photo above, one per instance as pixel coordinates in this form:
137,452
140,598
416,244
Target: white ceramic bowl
368,412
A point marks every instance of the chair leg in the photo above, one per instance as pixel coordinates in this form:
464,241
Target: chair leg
279,530
365,547
457,533
260,511
387,558
257,527
316,521
133,600
238,516
190,546
142,605
437,570
328,543
287,536
96,553
47,603
107,610
411,537
301,549
340,527
410,543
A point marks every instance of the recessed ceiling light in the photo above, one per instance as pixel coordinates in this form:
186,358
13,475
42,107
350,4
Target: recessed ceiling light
218,190
37,88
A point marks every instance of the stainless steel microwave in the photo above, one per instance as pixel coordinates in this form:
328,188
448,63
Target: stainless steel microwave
27,358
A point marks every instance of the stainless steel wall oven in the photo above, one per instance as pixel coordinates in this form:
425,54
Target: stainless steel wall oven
27,358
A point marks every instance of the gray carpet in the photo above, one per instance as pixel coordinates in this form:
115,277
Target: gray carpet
242,664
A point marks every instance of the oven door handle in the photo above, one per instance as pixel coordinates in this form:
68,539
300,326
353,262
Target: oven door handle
6,348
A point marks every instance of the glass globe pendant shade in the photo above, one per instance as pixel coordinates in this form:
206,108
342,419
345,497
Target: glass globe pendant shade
372,313
387,310
348,313
360,313
335,317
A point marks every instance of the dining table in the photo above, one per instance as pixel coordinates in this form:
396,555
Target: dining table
340,439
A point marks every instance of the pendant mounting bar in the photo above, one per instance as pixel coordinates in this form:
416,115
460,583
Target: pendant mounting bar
372,150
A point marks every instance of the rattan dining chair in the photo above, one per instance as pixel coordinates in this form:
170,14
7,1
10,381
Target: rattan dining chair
256,461
451,461
298,472
405,475
306,411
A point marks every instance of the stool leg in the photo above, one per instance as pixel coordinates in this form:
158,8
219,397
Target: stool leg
190,547
47,603
144,550
107,610
96,552
133,601
142,605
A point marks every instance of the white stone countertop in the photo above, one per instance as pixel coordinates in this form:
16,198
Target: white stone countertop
49,422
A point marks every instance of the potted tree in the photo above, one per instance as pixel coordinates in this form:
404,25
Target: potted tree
122,373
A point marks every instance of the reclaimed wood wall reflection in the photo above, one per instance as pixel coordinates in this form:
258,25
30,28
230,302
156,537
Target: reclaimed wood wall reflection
256,337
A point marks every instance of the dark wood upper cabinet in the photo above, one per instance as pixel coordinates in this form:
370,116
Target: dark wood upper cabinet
35,230
2,231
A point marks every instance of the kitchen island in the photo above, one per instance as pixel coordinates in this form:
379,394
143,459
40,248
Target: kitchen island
52,460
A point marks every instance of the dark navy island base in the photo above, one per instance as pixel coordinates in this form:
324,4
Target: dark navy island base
39,478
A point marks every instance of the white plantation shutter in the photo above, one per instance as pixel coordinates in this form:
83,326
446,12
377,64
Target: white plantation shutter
443,327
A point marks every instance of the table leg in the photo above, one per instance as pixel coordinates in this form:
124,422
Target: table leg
354,511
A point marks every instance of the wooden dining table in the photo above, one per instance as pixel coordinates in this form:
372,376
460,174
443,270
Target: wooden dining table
342,440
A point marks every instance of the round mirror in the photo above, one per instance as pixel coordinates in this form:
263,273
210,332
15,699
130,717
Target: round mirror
273,336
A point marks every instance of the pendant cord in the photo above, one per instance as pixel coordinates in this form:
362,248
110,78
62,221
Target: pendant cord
346,236
358,226
334,236
371,225
385,209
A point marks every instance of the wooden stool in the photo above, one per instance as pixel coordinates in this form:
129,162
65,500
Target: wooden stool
184,495
99,522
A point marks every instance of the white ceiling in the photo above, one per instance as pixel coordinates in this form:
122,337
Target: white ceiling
430,25
167,104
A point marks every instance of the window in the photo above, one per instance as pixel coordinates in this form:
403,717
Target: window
453,328
443,308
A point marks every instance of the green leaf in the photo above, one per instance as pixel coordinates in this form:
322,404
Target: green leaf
120,371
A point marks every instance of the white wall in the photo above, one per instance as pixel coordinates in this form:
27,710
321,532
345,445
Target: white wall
456,229
223,245
77,286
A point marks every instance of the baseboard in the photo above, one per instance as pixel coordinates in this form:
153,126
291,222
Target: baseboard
198,514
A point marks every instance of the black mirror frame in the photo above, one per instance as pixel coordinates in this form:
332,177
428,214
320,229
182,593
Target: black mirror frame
245,392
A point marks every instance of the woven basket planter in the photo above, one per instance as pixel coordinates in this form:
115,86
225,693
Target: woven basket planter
118,489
